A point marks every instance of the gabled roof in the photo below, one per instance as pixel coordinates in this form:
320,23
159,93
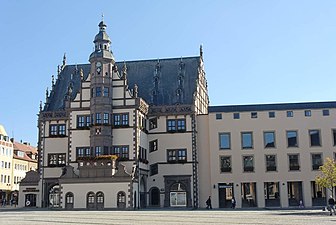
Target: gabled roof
167,72
270,107
27,149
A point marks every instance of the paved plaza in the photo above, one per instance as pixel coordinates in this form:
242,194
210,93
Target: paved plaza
148,217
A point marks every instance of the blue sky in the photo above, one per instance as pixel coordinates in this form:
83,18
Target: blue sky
260,51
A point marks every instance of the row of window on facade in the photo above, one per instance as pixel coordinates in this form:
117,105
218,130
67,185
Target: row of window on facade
5,165
20,167
5,179
270,140
271,162
6,151
290,113
271,192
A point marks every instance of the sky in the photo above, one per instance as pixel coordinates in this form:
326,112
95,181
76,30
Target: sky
255,51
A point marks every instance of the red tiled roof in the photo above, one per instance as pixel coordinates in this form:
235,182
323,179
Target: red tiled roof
26,149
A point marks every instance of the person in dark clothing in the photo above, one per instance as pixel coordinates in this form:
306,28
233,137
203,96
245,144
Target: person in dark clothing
233,203
208,203
331,203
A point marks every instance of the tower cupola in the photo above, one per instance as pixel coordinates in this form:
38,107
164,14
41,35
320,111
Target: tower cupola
102,43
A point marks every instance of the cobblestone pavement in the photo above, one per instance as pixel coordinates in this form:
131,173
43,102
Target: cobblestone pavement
167,217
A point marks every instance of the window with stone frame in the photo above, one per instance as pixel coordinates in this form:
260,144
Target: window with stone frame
83,151
293,161
316,161
153,169
106,92
152,123
271,163
176,155
225,164
98,118
248,163
176,125
153,145
121,151
224,141
106,118
247,140
56,159
83,121
57,130
292,138
314,136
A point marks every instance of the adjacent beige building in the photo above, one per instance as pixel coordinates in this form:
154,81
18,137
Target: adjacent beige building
139,134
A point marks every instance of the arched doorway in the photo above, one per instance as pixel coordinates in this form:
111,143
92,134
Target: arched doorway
100,200
154,196
69,200
121,200
90,200
54,196
178,195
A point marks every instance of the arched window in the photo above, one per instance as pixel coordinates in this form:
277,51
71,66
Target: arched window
90,200
100,200
69,200
121,200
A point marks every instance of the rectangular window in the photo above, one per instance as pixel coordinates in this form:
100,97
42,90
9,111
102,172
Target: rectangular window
181,125
307,113
121,151
271,114
106,119
176,155
153,169
236,116
88,120
269,139
325,112
98,91
248,164
314,138
334,136
271,163
254,115
316,161
152,123
61,129
293,161
80,121
171,125
80,152
106,92
98,118
247,140
56,160
53,130
218,116
116,120
290,113
225,164
153,146
292,139
224,141
124,119
98,150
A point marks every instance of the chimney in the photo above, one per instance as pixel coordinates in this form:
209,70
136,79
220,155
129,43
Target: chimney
12,140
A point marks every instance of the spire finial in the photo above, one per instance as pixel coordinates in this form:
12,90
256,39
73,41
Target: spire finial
201,51
58,70
124,70
40,106
64,59
52,80
47,92
81,73
103,17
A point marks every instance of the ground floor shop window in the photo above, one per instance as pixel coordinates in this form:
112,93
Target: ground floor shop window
30,200
249,194
69,200
271,192
178,195
54,197
295,196
318,194
225,194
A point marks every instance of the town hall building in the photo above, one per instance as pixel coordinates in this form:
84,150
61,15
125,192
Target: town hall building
137,134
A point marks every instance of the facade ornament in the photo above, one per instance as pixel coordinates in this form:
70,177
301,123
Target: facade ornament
58,70
124,71
47,93
81,73
201,51
135,91
40,106
52,80
64,60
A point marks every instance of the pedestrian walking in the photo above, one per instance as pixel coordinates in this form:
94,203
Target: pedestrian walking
208,203
331,205
233,203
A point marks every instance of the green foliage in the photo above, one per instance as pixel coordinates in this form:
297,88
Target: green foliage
327,177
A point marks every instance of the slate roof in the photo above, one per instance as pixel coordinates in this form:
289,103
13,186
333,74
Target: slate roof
142,73
272,107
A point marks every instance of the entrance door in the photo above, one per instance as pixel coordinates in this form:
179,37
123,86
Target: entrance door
30,200
178,195
294,193
155,197
225,194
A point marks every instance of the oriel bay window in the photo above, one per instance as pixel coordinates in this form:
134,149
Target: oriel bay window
56,159
177,155
106,118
